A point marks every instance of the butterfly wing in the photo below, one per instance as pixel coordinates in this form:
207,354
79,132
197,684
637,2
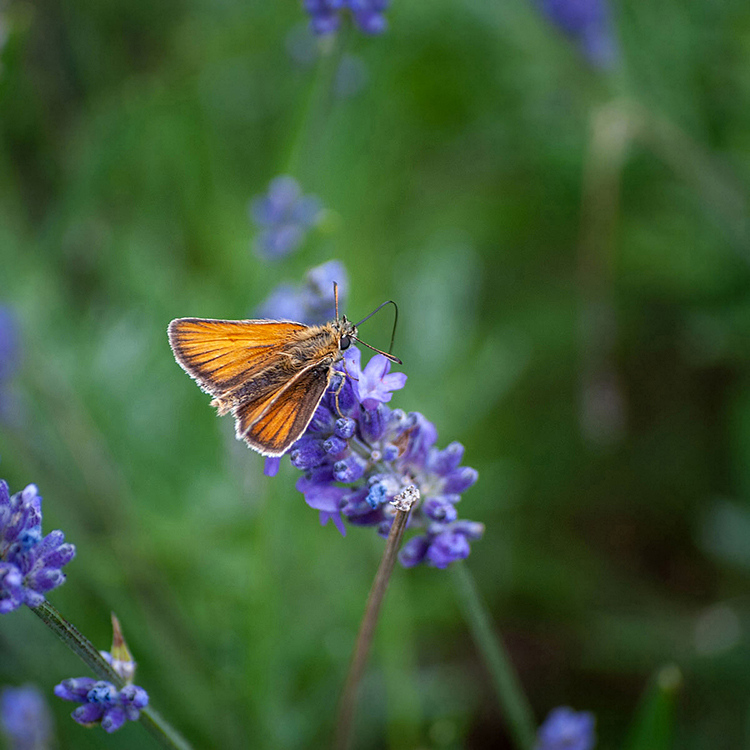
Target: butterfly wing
270,374
222,355
271,424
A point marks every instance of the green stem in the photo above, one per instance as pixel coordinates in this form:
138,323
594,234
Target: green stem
82,646
367,630
513,700
308,131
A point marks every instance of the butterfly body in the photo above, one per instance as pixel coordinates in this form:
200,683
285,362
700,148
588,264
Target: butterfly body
271,375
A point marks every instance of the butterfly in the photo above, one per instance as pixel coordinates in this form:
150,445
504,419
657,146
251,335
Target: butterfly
270,374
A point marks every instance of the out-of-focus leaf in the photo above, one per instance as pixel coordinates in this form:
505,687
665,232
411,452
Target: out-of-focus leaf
654,721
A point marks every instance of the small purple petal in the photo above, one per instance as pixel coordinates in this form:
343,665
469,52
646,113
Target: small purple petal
89,713
338,521
321,497
414,551
460,480
446,548
113,719
271,466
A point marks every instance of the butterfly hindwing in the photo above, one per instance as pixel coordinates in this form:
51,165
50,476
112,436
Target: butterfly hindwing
272,424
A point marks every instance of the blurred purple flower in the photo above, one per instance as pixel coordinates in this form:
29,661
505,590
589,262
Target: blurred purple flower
9,353
102,702
30,565
312,302
9,343
368,15
284,215
566,729
589,24
25,718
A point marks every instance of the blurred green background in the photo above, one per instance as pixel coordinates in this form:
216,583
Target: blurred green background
574,282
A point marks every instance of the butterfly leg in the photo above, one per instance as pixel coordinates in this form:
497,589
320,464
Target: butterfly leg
344,375
336,395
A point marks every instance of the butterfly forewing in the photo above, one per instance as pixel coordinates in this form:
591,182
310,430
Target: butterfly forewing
223,354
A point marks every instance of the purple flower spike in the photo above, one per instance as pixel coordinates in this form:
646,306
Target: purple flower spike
284,216
312,302
25,719
588,23
566,729
29,564
368,15
358,454
102,703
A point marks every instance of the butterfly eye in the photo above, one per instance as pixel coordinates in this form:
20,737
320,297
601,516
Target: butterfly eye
344,343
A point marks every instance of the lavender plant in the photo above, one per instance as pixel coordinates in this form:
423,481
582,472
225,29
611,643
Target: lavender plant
30,565
25,718
284,216
358,454
102,702
326,15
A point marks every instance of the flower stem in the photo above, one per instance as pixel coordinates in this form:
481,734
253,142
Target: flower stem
367,630
308,132
513,700
82,646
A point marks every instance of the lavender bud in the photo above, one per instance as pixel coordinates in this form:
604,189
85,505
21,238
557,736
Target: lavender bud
345,428
377,494
414,551
445,461
335,445
447,548
307,453
460,480
470,529
349,470
373,423
439,510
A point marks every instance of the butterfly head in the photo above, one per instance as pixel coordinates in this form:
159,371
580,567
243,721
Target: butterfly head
347,332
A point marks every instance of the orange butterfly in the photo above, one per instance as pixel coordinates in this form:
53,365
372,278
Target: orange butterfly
270,374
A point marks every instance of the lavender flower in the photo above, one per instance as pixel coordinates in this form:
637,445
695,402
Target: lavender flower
588,23
312,302
368,15
102,702
284,216
30,565
355,464
564,729
25,718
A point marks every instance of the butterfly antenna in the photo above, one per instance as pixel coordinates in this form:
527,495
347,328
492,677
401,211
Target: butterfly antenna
387,355
395,323
336,298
